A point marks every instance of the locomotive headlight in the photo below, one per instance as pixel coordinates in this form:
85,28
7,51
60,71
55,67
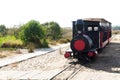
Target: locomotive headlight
79,32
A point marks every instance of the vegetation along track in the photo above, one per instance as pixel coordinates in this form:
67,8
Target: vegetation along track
68,72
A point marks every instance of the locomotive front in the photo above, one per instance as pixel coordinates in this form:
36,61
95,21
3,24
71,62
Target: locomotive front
80,41
81,44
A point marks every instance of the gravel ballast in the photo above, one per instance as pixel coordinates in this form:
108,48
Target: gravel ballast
49,61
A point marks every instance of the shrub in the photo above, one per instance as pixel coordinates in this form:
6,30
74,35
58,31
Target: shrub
69,40
44,43
31,47
6,38
12,44
53,30
116,32
63,40
32,32
52,42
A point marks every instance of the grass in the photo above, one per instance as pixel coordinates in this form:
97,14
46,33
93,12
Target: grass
8,49
10,42
6,38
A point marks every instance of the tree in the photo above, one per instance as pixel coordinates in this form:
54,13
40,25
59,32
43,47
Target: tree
3,30
53,30
32,32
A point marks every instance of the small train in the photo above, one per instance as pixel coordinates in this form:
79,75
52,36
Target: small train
90,35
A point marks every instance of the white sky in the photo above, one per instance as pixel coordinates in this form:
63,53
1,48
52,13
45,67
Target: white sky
15,12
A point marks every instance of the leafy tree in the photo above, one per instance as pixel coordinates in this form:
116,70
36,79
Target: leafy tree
32,32
53,30
3,30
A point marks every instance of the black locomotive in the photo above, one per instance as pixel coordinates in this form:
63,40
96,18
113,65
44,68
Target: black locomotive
89,36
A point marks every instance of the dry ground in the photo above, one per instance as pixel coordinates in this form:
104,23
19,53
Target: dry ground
8,53
11,53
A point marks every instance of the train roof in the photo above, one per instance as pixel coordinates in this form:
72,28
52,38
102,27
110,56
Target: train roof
96,19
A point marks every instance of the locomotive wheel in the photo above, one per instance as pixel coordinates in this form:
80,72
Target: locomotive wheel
83,58
86,59
100,50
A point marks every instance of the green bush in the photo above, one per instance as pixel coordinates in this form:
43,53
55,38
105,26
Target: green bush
53,30
32,32
44,43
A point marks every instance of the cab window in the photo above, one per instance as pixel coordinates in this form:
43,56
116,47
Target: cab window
95,28
89,28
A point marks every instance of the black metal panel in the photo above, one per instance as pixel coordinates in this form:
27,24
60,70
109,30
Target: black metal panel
91,23
105,34
94,35
73,28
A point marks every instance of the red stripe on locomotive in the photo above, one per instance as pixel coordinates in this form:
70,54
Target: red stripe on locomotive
101,39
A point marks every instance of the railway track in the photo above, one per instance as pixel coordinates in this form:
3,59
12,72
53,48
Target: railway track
68,72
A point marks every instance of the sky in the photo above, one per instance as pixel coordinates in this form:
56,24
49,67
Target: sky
16,12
